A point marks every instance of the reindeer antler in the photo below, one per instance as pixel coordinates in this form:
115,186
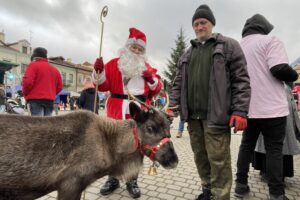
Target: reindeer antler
169,110
166,107
136,99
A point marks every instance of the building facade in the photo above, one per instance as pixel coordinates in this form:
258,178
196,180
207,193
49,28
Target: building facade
16,53
19,53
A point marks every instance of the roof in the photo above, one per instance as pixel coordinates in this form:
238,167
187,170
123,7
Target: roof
61,61
86,63
85,67
8,48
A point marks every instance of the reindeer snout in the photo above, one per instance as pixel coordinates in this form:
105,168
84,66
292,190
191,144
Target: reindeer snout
168,157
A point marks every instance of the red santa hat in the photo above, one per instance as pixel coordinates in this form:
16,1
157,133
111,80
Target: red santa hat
136,37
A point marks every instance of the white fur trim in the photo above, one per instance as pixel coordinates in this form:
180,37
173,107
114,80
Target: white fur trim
153,86
125,108
136,86
100,79
140,42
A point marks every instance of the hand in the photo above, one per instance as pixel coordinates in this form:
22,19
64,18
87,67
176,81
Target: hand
147,76
239,123
170,115
99,65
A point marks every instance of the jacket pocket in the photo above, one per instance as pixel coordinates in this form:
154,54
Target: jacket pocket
219,59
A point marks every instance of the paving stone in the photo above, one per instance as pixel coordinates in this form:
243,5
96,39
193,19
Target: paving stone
166,196
175,193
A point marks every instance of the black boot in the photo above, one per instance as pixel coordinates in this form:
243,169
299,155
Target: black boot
110,185
241,190
206,195
133,189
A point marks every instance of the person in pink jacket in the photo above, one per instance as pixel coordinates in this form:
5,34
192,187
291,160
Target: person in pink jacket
268,68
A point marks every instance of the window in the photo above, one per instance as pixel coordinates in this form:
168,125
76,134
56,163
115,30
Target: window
24,49
63,76
70,78
80,79
23,68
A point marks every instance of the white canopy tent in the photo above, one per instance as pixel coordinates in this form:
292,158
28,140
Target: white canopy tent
74,94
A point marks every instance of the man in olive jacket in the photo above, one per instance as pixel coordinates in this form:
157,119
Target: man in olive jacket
212,91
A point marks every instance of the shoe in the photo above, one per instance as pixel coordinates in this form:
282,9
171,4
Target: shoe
133,189
264,177
241,190
110,185
280,197
206,195
179,135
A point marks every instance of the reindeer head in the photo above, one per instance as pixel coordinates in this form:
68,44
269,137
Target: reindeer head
153,128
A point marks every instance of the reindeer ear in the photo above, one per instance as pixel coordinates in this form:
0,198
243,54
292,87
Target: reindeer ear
136,112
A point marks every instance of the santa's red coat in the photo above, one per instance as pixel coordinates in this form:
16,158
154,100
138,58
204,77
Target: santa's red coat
111,80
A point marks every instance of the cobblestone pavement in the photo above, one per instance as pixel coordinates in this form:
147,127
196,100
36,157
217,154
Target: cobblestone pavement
183,182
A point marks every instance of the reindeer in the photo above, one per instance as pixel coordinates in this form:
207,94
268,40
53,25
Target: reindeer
67,153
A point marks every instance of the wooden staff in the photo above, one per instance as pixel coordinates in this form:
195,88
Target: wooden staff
103,14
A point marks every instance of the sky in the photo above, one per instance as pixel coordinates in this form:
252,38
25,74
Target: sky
72,28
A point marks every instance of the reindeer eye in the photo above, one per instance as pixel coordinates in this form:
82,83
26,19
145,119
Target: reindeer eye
149,128
152,129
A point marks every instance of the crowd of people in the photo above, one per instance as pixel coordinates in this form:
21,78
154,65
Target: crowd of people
233,79
220,84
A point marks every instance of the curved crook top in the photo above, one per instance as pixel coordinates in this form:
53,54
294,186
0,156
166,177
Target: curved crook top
103,13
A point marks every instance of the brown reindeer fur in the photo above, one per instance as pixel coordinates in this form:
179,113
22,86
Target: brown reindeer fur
67,153
41,154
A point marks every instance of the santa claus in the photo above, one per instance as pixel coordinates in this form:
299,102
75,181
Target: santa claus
130,72
130,69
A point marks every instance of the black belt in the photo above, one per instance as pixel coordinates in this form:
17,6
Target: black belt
125,96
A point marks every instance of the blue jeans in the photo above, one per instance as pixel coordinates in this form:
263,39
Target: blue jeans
39,108
181,126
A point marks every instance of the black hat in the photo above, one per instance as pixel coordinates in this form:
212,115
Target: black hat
204,11
39,52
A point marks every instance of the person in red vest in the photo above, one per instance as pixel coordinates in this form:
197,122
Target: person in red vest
130,71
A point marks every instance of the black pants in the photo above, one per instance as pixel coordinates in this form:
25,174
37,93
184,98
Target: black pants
273,131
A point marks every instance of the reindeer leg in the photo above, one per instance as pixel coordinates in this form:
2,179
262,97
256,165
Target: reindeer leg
69,195
70,190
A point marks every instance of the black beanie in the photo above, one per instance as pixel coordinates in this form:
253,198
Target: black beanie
204,11
39,52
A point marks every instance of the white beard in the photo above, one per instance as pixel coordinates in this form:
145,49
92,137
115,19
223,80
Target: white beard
131,64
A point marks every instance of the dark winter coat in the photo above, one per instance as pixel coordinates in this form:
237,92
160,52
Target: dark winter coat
229,85
86,100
